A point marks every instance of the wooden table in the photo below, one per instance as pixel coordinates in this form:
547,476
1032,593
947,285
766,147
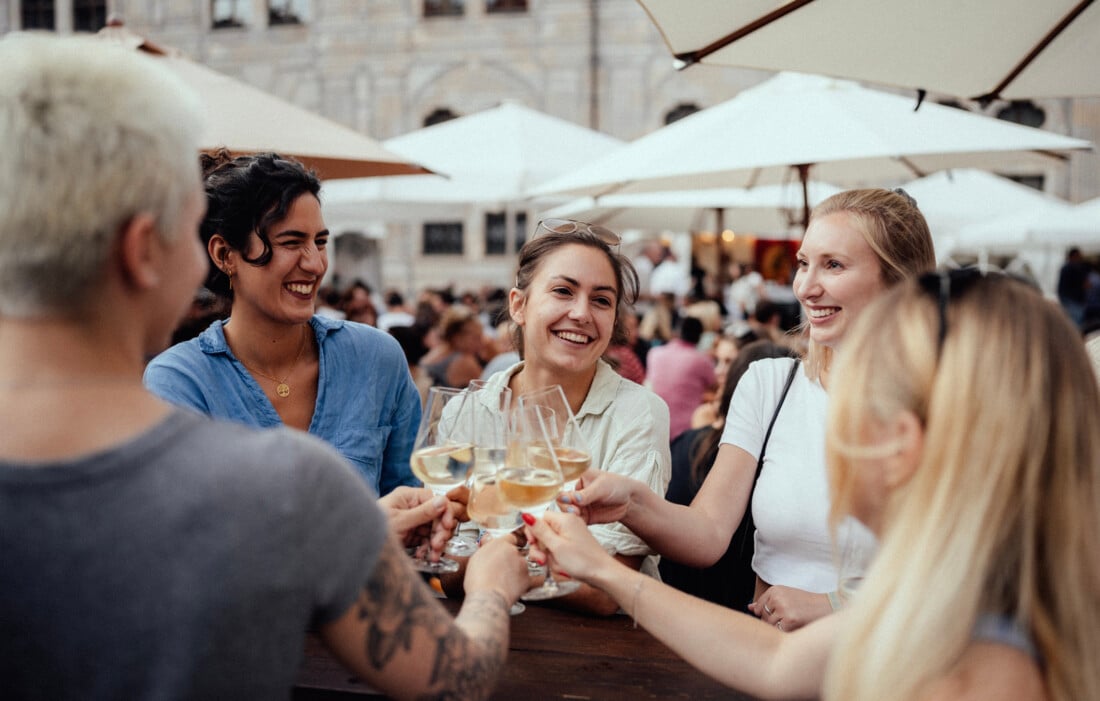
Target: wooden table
553,654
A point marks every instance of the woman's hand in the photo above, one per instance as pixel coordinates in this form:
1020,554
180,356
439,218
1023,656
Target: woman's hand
601,497
566,543
788,609
459,497
498,566
418,517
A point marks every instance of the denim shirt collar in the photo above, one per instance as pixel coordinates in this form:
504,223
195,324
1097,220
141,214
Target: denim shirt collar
212,340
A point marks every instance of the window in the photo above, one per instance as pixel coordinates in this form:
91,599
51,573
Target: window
505,6
285,12
680,111
89,15
38,14
225,14
443,238
439,115
496,234
444,8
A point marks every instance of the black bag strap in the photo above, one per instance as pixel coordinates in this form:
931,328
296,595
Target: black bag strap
764,447
747,526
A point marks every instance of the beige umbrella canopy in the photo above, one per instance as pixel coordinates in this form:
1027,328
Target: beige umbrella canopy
245,119
979,49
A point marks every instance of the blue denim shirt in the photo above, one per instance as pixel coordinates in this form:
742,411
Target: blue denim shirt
368,407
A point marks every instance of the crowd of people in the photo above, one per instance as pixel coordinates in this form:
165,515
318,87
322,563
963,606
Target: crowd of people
898,498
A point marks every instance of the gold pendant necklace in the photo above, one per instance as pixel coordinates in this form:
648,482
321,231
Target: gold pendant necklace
281,387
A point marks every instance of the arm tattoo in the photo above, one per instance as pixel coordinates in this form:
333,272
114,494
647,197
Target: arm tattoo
396,607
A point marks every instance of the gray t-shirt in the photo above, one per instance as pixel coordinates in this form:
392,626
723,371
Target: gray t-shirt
185,564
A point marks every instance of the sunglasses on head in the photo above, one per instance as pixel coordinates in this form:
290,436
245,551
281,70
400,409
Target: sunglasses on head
572,226
948,284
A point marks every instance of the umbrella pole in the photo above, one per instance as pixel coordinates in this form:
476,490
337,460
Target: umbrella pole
723,256
804,177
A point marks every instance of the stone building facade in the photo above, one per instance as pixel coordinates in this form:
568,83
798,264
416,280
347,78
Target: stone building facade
384,67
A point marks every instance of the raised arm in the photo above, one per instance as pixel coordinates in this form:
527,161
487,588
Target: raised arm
401,640
695,535
737,650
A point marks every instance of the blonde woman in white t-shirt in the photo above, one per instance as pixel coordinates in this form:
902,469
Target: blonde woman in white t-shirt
859,244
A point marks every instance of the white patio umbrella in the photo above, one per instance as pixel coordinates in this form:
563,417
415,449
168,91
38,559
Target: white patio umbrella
952,200
1056,225
493,156
489,160
980,49
245,119
1038,238
767,208
833,130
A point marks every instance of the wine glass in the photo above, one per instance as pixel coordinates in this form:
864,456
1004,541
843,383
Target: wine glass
486,507
443,453
490,407
569,444
531,480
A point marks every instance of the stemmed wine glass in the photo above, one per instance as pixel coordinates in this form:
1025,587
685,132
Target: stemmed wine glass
569,444
486,506
531,480
443,453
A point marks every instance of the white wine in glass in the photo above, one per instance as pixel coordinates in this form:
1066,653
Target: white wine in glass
443,467
574,462
570,446
532,480
443,453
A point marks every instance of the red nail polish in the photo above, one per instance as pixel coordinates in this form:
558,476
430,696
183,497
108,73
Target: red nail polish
529,519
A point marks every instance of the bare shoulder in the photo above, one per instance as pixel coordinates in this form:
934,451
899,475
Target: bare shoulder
989,671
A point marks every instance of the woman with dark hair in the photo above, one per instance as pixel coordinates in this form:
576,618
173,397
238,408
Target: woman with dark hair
730,581
572,294
274,361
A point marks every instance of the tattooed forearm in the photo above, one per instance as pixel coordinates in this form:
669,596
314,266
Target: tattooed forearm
467,661
460,657
396,605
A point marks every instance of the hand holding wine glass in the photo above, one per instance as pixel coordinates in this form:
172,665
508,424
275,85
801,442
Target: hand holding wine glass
443,453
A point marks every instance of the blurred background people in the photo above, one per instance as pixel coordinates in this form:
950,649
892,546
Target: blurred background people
681,374
454,360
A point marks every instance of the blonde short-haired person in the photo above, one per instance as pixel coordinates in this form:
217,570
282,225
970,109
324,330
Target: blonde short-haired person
981,475
858,245
148,551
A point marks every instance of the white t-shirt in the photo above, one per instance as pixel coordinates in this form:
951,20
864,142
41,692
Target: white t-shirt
790,504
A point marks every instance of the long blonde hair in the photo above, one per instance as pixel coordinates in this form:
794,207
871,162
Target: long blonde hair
895,230
1002,514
